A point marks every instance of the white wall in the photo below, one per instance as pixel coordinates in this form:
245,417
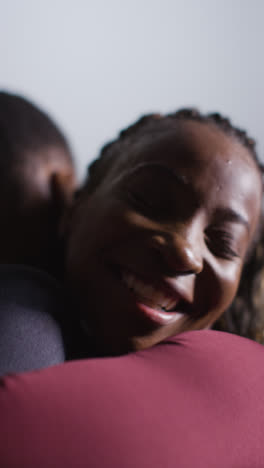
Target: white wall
96,65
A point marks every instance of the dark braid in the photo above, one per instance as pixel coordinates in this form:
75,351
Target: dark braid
246,314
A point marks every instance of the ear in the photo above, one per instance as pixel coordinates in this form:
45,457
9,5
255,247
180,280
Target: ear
63,187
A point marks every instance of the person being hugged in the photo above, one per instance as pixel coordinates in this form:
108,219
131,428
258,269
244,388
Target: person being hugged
159,234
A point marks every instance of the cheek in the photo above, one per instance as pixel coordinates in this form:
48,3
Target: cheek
95,228
230,285
222,282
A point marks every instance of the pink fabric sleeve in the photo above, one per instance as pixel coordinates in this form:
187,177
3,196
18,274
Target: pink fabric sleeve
196,401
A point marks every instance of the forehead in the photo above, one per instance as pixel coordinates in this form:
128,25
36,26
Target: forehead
190,145
217,167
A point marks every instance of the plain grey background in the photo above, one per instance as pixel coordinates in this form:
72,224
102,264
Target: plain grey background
96,66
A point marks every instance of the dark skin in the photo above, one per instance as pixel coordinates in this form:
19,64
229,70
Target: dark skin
35,192
158,248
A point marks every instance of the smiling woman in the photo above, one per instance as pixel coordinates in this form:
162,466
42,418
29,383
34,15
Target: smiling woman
159,234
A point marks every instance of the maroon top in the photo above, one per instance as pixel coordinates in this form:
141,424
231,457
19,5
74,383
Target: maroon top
194,401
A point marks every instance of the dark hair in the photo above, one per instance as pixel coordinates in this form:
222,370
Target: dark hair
152,124
24,128
37,178
245,316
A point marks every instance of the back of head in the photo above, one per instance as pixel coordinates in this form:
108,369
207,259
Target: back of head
37,181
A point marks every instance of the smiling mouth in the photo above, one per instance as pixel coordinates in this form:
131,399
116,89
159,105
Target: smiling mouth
149,295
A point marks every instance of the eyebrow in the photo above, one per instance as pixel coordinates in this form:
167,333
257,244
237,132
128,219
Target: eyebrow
228,214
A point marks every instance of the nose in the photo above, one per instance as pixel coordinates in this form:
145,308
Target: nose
181,253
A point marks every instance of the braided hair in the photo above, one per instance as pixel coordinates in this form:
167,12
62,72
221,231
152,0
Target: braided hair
245,316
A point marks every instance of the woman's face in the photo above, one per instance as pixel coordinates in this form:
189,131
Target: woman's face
158,248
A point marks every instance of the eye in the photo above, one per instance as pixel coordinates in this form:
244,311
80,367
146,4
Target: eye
221,244
142,203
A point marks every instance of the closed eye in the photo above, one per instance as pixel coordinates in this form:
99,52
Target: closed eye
142,204
221,244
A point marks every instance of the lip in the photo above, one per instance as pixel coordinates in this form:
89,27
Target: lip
167,286
157,316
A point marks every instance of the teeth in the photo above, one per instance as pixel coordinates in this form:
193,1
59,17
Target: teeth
171,303
155,298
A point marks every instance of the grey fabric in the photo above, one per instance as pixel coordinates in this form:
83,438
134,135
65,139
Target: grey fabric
30,334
